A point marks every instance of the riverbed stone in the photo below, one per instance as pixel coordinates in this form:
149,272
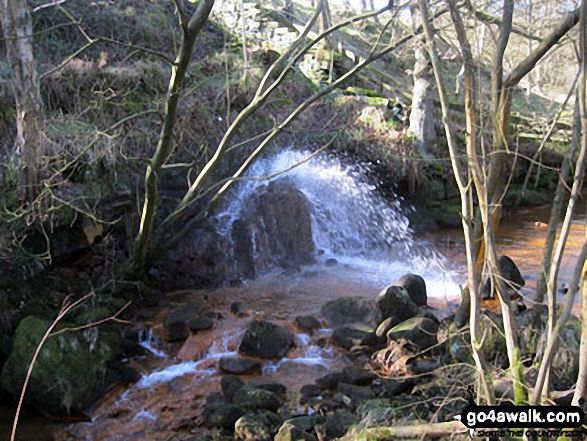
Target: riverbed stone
329,381
357,394
347,310
251,428
306,423
390,387
256,399
230,384
176,323
421,332
511,275
416,287
337,424
239,365
222,415
289,432
200,324
266,340
272,386
395,302
346,337
307,324
357,375
309,391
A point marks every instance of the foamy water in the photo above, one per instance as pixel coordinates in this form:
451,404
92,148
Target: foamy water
368,235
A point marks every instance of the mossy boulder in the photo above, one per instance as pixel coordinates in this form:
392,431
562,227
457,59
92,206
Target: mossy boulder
266,340
71,371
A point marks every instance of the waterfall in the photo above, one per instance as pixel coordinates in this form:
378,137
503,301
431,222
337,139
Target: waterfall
351,221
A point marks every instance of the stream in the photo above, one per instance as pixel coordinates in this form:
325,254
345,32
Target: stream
363,242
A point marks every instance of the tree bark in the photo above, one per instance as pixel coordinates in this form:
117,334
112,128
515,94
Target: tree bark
422,114
190,31
18,31
423,431
464,184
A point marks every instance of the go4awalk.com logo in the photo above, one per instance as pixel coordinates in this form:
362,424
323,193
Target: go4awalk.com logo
522,417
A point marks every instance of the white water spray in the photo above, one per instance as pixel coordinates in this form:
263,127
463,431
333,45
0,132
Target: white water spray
352,222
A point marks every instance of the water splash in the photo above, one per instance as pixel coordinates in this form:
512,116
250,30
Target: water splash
217,351
351,222
147,340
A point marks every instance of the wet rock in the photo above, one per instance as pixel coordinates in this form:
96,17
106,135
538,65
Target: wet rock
307,324
250,428
375,413
230,384
309,391
71,372
266,340
357,394
416,287
242,237
289,432
239,366
268,385
331,262
421,332
511,275
347,337
306,423
347,310
384,327
256,399
238,309
200,324
276,223
329,381
176,323
395,303
357,375
222,415
389,388
197,260
337,424
464,310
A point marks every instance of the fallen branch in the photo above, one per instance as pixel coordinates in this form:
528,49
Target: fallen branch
422,431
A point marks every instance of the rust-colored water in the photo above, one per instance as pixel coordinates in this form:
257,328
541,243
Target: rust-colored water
173,409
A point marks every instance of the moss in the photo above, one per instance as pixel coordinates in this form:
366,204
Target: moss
70,372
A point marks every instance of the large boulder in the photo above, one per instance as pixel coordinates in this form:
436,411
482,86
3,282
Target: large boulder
177,322
266,340
199,260
276,225
420,332
416,287
347,310
510,274
252,428
71,372
395,303
239,366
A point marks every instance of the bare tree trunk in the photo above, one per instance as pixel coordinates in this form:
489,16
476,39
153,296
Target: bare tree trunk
463,184
581,388
190,31
422,113
18,31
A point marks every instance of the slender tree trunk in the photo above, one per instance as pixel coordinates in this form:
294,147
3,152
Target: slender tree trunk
18,31
190,31
422,113
464,184
581,388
